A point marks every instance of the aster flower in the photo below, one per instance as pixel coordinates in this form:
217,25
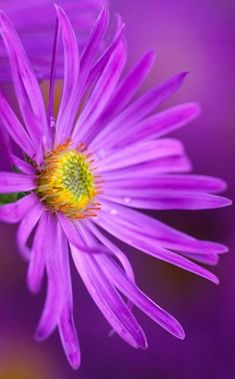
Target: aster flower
35,22
85,176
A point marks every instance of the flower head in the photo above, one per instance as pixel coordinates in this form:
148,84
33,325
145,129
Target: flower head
35,23
85,172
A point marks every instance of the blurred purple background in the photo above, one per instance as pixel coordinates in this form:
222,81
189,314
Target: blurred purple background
197,36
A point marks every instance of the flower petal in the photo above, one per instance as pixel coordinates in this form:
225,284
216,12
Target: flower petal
108,300
14,182
14,212
158,125
130,290
55,291
100,95
143,242
37,255
27,225
138,110
139,153
67,330
197,183
27,88
14,128
67,108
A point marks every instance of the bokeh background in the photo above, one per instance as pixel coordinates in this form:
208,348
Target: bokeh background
198,36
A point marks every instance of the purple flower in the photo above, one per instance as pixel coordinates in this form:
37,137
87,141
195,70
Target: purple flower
86,171
35,22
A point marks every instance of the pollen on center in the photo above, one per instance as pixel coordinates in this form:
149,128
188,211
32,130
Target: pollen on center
67,182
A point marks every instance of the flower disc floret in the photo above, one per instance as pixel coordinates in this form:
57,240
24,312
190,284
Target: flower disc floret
66,182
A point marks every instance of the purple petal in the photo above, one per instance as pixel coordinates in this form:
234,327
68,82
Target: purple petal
27,88
68,107
37,255
14,212
101,94
139,153
129,86
197,183
108,300
14,128
23,166
72,233
55,291
159,124
167,199
162,234
67,330
27,225
138,110
130,290
14,182
150,169
102,61
141,241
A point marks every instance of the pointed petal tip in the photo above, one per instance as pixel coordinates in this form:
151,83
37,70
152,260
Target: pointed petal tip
40,335
74,360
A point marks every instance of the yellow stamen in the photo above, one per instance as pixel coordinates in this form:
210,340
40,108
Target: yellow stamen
66,182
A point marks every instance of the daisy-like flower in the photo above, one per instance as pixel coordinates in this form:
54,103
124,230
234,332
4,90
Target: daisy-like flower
35,23
84,173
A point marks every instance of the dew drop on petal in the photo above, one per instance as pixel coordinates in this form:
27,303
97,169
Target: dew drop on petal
127,200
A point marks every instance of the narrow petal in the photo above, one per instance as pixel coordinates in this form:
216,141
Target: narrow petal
129,86
67,110
26,85
14,212
14,182
100,95
158,125
15,129
197,183
72,233
27,225
139,109
22,165
165,165
67,330
161,233
156,313
142,242
139,153
167,199
55,292
108,300
37,256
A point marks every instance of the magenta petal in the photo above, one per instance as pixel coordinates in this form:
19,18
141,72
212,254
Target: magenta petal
67,330
129,86
139,109
108,300
27,225
55,292
160,124
37,256
14,182
139,153
15,129
14,212
23,166
119,279
138,239
197,183
26,85
68,106
100,95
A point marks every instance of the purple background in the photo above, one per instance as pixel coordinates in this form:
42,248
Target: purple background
187,35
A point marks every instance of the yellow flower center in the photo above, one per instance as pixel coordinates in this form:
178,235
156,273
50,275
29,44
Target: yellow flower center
67,182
